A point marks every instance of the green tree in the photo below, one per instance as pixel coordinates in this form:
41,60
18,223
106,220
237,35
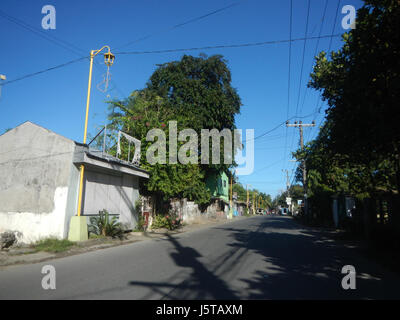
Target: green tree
195,92
361,83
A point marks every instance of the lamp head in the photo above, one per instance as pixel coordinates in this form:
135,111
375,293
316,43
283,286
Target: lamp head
109,58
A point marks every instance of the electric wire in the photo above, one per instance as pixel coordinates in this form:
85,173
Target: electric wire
59,42
173,50
289,65
329,48
302,66
181,24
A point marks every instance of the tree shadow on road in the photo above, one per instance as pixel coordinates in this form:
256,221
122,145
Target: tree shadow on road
306,264
200,284
273,258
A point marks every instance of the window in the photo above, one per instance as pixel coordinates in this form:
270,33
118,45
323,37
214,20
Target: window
224,183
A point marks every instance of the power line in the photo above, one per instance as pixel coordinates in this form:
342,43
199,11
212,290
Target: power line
302,65
315,51
302,59
181,24
329,49
45,70
279,125
289,65
172,50
268,166
228,45
59,42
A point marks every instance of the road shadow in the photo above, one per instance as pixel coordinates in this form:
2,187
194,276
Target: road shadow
302,263
271,258
199,284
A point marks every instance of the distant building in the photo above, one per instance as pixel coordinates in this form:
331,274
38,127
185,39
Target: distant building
218,184
39,173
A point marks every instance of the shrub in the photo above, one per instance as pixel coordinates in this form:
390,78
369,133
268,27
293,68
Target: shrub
169,222
104,226
159,222
140,226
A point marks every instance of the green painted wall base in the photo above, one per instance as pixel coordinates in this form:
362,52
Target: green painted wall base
78,230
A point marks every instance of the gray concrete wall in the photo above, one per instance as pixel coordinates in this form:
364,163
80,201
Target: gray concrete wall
35,168
115,193
188,211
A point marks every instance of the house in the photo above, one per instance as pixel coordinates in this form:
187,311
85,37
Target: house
39,183
218,184
239,208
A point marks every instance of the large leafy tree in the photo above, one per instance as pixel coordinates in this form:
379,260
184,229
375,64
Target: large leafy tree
361,83
199,89
195,92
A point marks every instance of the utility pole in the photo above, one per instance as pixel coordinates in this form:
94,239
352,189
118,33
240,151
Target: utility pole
254,202
231,199
287,180
301,125
287,184
248,196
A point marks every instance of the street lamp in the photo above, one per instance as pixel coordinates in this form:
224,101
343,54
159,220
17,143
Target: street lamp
78,225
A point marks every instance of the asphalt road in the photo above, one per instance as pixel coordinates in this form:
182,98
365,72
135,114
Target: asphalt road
256,258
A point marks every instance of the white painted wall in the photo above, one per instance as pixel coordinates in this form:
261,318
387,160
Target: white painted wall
36,226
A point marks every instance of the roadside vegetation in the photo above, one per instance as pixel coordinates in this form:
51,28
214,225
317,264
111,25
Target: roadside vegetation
186,91
105,226
52,245
357,150
170,222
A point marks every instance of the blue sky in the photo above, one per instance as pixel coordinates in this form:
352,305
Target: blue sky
56,99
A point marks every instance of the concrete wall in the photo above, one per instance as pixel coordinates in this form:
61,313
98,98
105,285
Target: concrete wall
115,193
186,210
35,172
189,211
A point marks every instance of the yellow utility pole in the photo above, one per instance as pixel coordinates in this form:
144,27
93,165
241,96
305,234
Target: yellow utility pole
231,199
78,227
247,199
109,60
254,202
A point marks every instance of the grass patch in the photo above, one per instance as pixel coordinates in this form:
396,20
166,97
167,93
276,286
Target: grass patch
96,236
53,245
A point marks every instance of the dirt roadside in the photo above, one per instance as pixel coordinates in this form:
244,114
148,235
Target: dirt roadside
26,254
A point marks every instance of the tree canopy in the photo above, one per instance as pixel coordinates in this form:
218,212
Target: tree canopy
361,83
195,92
357,150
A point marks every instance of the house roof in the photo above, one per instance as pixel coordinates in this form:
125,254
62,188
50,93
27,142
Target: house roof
85,154
30,123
